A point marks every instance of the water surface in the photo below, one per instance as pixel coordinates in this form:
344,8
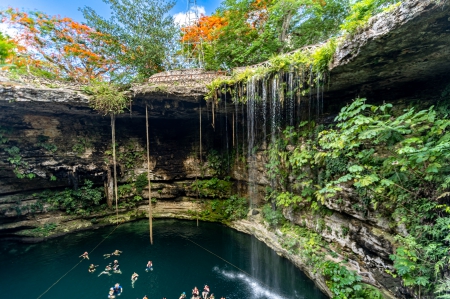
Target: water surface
233,264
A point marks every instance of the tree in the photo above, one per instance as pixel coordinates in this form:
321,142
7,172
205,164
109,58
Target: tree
252,31
61,46
199,39
141,30
7,47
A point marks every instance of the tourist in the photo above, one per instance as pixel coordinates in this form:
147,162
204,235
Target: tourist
92,268
145,297
211,297
117,289
149,266
205,291
116,252
134,277
195,292
85,255
183,295
111,294
115,267
106,271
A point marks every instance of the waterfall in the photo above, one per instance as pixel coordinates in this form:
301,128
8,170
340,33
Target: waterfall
226,133
251,154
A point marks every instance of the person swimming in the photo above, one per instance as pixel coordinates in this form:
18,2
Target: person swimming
116,252
111,294
85,255
149,266
117,289
92,268
212,296
205,291
195,293
115,267
134,277
106,271
183,295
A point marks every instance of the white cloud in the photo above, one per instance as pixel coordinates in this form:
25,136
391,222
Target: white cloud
182,18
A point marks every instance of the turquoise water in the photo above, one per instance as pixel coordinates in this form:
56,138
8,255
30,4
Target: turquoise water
27,271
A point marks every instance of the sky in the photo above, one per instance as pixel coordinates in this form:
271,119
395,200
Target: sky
69,8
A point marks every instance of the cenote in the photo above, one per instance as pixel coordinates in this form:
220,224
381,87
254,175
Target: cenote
233,264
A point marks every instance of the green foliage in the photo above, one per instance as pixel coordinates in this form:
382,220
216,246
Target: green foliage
316,60
341,282
274,27
106,98
45,230
141,30
15,159
361,11
396,163
212,188
6,48
273,217
83,201
443,289
235,207
140,183
218,162
81,145
42,142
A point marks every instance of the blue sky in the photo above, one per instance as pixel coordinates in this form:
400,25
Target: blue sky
66,8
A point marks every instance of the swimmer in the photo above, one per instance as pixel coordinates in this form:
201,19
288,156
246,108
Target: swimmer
195,293
92,268
145,297
183,295
115,267
205,291
111,294
106,255
106,271
116,252
85,255
134,277
212,296
149,266
117,289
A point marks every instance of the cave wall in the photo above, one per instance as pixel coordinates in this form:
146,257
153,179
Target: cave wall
61,150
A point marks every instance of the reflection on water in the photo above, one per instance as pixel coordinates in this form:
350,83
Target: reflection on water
241,266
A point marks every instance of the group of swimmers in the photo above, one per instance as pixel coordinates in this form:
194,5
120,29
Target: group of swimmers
117,289
196,294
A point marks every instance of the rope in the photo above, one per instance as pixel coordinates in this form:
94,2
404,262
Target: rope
77,263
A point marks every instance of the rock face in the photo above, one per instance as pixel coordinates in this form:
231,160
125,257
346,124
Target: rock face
53,135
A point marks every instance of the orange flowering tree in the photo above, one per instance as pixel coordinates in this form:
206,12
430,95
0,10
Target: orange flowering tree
199,39
60,46
243,32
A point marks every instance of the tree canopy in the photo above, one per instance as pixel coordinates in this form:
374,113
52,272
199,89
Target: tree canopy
246,32
60,46
141,32
6,48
